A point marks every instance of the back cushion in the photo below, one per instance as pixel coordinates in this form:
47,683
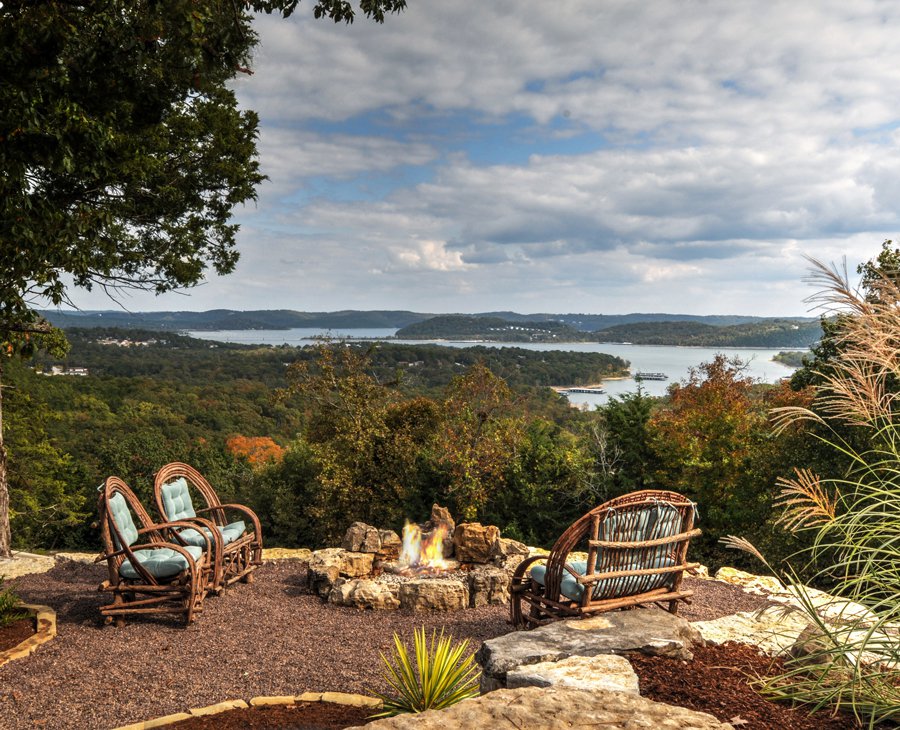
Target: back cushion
177,500
121,515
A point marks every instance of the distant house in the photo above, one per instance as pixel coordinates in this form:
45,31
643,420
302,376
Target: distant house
62,370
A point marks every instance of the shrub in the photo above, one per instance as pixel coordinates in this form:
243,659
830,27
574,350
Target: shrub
10,610
441,676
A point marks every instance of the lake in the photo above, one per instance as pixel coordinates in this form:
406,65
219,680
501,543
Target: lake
673,361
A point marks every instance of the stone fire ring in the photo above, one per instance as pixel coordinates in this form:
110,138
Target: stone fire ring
335,698
45,620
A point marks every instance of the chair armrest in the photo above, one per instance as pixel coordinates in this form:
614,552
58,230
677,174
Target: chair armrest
238,508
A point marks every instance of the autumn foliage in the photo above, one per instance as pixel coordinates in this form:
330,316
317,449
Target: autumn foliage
257,450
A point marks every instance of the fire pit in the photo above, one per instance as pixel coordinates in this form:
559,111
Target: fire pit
437,565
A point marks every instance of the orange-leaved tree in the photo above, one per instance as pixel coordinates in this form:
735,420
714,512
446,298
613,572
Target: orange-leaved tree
257,450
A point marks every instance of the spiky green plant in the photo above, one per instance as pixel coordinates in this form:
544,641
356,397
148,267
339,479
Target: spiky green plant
854,663
10,610
441,676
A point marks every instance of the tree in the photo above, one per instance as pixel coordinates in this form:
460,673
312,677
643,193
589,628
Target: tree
122,148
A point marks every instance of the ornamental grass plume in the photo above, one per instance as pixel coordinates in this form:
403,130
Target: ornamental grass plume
441,676
854,519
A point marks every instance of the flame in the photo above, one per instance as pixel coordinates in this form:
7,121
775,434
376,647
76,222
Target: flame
423,555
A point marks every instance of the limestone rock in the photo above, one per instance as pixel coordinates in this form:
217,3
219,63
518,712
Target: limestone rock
536,708
323,569
648,630
355,565
488,586
773,631
390,544
439,594
327,565
441,519
362,538
507,554
375,595
472,542
341,592
603,672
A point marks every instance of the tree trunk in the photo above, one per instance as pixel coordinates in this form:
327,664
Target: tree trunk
5,534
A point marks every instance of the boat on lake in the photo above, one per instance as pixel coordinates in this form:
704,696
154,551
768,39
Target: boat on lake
650,376
595,391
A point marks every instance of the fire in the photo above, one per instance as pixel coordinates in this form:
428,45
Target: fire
423,555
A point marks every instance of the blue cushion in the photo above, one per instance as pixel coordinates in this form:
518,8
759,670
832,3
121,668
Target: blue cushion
230,533
569,587
177,501
159,562
121,515
233,531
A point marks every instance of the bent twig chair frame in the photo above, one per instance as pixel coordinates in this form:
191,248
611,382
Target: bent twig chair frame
627,563
179,594
233,561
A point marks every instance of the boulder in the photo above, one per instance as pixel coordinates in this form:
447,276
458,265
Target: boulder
537,708
441,519
376,595
323,569
603,672
488,586
390,545
362,538
439,594
648,630
507,554
472,542
341,592
327,565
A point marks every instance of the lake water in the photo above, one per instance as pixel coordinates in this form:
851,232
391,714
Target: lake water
673,361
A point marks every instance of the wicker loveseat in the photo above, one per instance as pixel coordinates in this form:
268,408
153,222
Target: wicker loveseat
635,550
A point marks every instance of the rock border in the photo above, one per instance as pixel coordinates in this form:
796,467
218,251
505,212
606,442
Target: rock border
334,698
45,624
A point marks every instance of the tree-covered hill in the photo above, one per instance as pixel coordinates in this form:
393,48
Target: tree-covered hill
460,326
764,333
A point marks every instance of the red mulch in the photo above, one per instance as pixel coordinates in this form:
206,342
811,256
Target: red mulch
14,634
718,681
302,716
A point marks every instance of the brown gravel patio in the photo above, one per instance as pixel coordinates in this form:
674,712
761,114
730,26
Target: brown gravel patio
269,638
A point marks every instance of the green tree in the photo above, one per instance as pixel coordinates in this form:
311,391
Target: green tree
122,148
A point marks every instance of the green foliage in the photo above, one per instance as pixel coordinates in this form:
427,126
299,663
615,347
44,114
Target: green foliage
621,442
852,516
459,326
761,333
440,678
10,612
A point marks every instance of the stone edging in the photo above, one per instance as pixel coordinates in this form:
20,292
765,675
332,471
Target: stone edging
335,698
45,621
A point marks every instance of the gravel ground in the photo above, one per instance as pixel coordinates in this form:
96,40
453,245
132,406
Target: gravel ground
268,638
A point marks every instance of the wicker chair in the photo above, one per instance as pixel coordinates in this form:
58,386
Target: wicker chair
237,547
151,571
636,549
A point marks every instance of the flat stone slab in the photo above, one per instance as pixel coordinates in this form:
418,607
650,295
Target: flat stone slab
608,672
647,630
551,709
773,631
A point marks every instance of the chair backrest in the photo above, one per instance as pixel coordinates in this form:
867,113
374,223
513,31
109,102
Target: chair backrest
124,532
118,507
635,517
177,502
176,473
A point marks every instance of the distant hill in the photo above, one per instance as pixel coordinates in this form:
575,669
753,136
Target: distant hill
495,329
228,319
762,333
483,325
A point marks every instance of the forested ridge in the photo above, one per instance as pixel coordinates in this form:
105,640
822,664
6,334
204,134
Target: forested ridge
314,438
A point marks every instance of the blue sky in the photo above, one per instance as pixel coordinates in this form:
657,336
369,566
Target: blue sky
567,156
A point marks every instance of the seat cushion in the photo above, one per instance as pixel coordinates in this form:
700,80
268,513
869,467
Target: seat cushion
569,587
161,562
121,515
233,531
609,587
230,533
176,498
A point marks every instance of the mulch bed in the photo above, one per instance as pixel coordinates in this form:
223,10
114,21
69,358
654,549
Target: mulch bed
268,638
16,632
718,681
302,716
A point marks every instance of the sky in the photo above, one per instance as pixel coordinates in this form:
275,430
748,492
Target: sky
566,156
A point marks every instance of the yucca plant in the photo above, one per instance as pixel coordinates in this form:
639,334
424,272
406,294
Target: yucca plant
10,606
853,663
441,676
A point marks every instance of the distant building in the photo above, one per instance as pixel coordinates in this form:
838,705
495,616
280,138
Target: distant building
62,370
